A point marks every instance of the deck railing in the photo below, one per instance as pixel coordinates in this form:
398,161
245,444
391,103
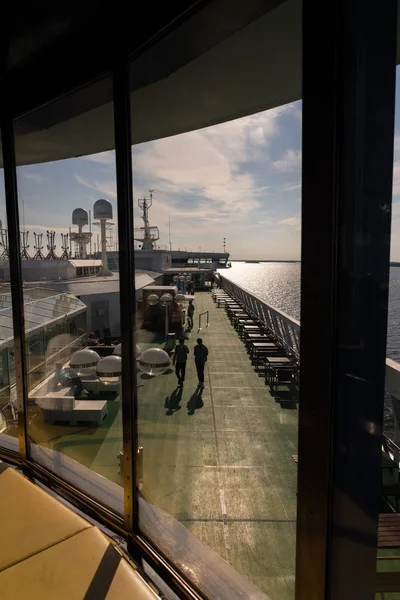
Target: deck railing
285,329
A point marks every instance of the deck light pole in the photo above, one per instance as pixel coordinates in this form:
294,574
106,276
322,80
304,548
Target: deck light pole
166,301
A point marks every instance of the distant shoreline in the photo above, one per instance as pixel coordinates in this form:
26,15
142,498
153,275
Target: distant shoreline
261,260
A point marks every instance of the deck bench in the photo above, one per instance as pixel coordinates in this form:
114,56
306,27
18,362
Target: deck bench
61,406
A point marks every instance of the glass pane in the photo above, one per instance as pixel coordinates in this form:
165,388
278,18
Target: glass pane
68,209
220,449
47,314
388,542
8,395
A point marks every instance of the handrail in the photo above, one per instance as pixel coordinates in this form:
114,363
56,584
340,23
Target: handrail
208,319
390,446
391,442
284,329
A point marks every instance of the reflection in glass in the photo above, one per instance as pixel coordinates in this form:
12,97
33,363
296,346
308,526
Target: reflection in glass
74,418
8,396
388,552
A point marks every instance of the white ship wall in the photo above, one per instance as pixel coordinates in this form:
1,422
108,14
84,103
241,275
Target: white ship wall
152,260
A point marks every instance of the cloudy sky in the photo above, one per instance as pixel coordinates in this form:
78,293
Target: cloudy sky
240,180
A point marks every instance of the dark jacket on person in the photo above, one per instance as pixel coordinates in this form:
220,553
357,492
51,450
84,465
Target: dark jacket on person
200,353
181,352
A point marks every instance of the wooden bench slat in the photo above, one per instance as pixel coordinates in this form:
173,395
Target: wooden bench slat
389,530
387,582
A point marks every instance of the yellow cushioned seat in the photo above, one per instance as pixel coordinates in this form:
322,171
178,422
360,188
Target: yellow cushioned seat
49,552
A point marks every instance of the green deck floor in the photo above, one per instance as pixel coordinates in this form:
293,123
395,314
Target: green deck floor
225,470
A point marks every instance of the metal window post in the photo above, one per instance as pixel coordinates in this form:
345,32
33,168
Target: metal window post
17,293
123,159
349,61
166,321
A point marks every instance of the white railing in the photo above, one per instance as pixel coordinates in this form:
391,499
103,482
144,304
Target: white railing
393,390
287,330
284,329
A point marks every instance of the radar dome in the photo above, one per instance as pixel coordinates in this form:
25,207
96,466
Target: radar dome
84,361
154,361
80,217
102,209
117,351
109,368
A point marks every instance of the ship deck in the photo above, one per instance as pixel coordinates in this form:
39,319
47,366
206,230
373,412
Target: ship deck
221,464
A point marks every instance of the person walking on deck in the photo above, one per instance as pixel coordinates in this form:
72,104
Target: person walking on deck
200,359
190,314
180,358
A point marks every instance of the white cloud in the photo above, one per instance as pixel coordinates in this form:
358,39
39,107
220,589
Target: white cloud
105,188
195,167
37,177
292,222
292,187
395,237
211,183
289,162
396,178
206,164
104,158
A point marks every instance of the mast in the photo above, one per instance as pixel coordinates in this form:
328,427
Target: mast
169,230
149,234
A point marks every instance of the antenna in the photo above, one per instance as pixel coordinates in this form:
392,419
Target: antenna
51,247
38,246
90,231
65,246
169,230
149,235
4,244
23,236
82,238
103,211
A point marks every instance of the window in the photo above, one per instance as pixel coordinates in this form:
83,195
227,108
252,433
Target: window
220,461
219,457
74,424
178,261
8,396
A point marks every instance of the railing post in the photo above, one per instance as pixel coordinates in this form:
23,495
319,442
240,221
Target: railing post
17,291
283,328
123,160
348,89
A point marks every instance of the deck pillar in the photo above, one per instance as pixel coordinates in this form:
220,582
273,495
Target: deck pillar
349,63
